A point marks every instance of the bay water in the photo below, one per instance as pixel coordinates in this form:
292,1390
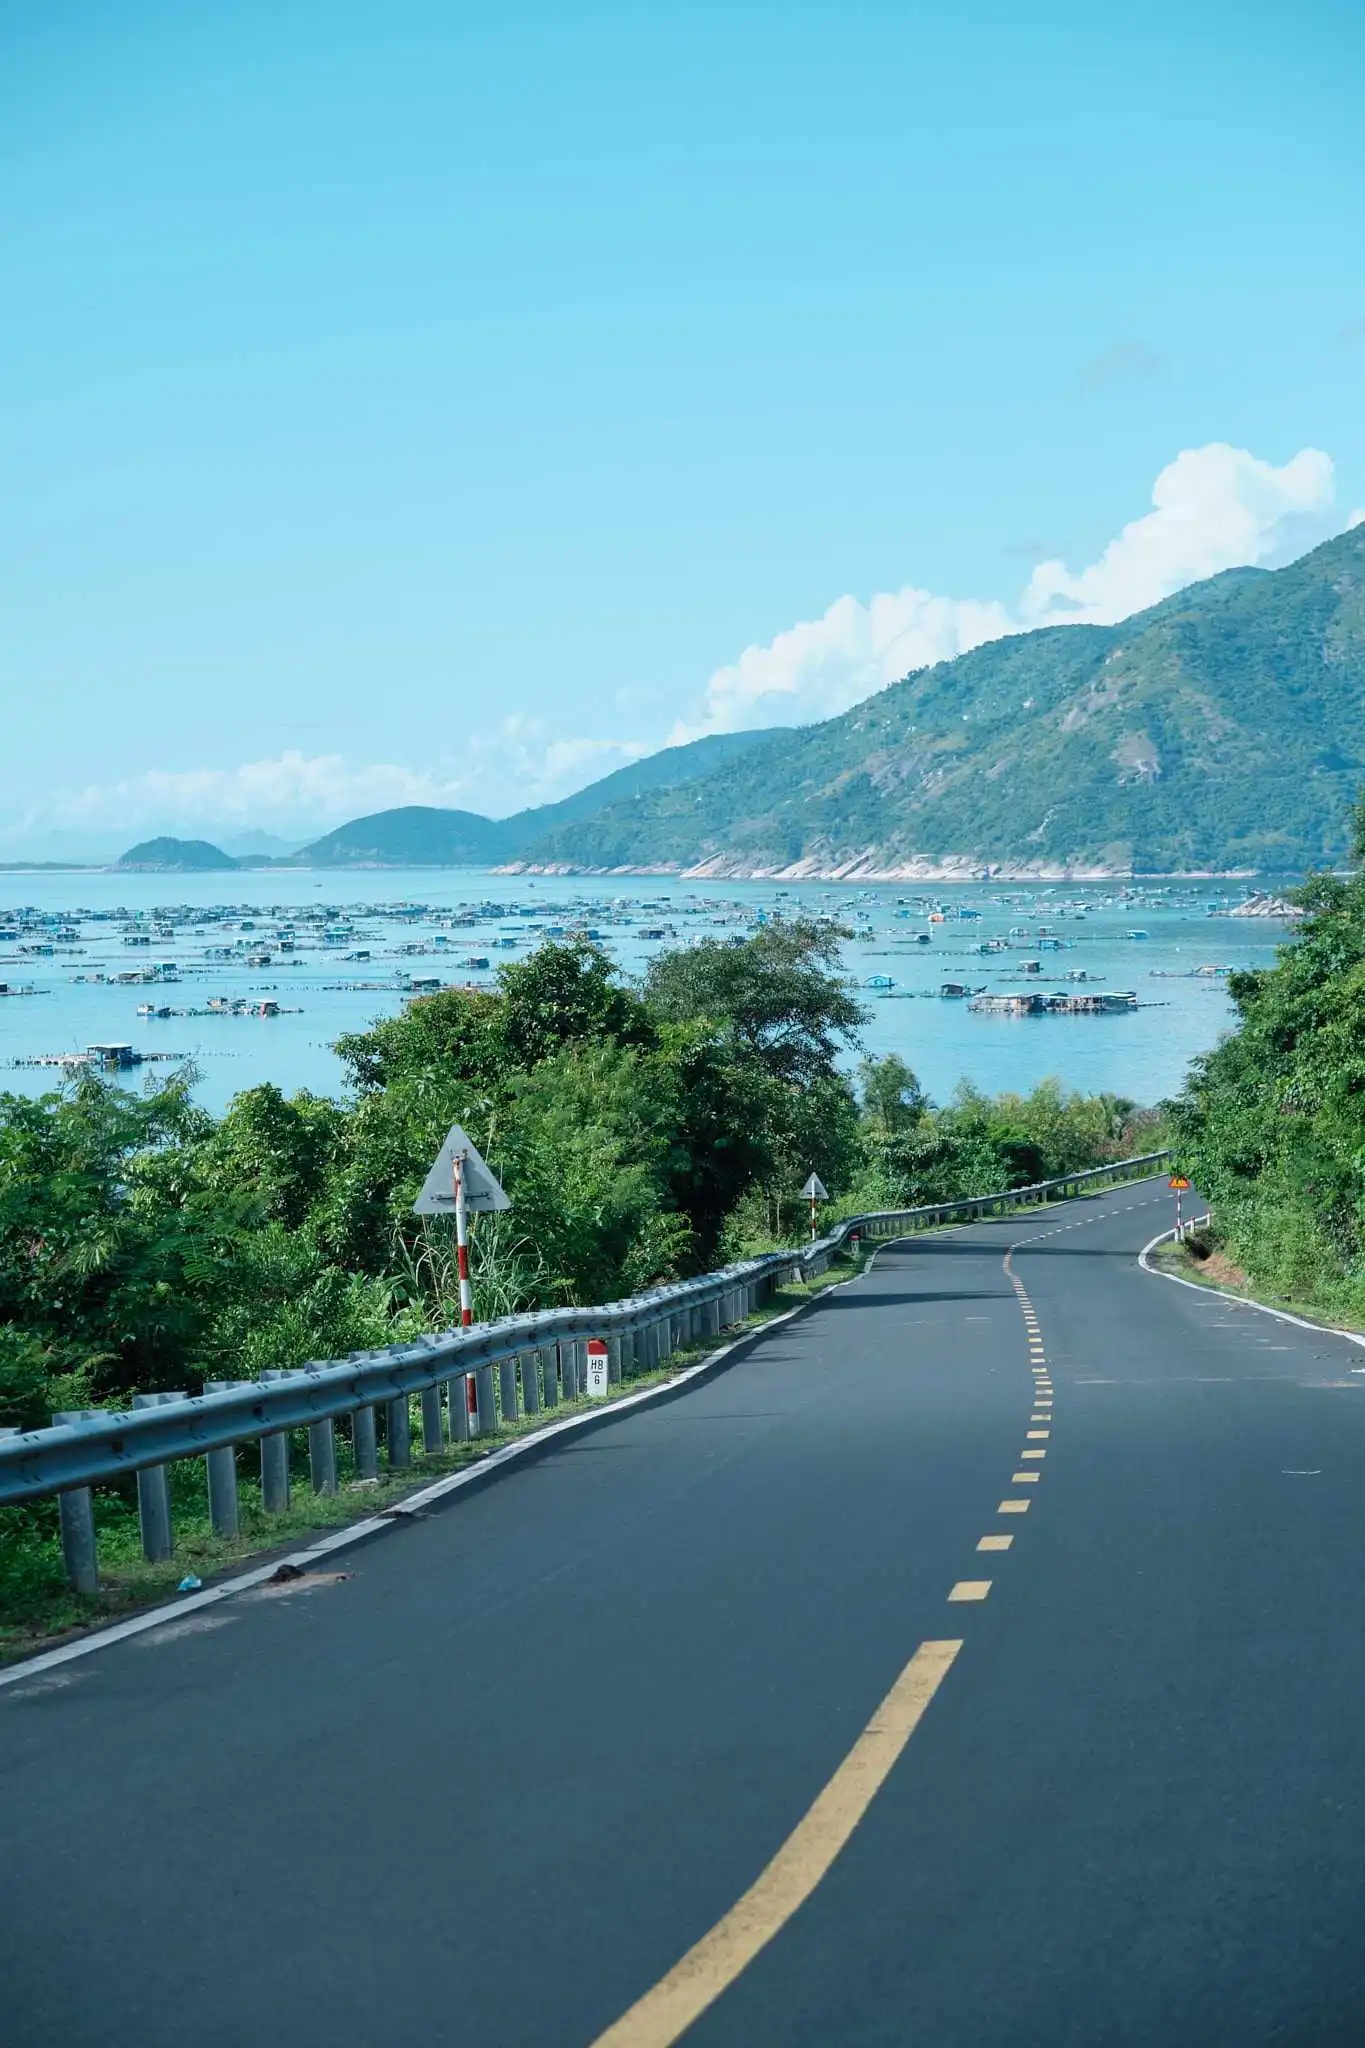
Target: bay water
304,930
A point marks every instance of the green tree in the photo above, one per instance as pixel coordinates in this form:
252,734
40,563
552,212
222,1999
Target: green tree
779,992
566,994
892,1099
1271,1125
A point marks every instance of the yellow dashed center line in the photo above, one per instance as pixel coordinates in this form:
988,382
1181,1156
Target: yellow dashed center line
666,2012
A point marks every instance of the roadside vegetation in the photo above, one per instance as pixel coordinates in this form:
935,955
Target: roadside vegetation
1271,1126
644,1132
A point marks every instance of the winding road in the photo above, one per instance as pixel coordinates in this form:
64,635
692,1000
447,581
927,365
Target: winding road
977,1660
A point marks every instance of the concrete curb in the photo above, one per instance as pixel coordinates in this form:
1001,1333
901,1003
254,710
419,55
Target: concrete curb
522,1449
1262,1308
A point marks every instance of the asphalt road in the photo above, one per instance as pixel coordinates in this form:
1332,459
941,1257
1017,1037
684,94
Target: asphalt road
492,1786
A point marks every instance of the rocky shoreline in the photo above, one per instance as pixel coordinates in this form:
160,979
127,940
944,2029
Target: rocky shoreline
865,868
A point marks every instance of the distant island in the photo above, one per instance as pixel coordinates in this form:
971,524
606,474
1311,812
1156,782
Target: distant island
174,857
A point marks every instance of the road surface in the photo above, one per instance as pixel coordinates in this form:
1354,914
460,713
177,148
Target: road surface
495,1785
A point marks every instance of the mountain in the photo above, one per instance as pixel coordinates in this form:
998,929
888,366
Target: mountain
1222,729
418,835
249,846
174,856
415,836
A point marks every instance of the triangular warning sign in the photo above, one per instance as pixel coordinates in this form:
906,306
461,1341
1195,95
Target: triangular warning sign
815,1189
481,1189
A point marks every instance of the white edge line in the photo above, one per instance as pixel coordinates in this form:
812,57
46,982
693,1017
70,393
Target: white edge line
373,1525
1238,1300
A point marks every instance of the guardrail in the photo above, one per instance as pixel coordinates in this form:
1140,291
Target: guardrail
538,1360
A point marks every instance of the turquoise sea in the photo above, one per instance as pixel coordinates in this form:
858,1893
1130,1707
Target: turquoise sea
199,934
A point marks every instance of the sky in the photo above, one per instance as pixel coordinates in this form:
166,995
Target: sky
422,403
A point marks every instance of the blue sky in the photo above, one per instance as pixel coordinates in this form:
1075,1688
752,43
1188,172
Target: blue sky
424,403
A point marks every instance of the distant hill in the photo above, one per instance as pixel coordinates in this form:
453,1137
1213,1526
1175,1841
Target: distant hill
174,856
1222,729
254,846
418,835
414,836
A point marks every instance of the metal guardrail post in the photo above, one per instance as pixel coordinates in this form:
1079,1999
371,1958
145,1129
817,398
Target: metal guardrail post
459,1408
322,1455
365,1440
275,1458
614,1373
483,1420
398,1428
507,1389
530,1382
433,1434
154,1494
76,1514
550,1374
220,1471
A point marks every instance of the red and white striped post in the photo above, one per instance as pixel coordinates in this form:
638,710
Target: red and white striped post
462,1244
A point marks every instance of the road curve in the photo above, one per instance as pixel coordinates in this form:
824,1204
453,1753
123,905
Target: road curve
496,1784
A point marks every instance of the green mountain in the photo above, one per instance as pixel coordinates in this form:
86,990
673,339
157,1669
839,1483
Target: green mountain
419,836
415,836
175,856
1222,729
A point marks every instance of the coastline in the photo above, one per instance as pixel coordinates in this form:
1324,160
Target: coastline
721,868
718,868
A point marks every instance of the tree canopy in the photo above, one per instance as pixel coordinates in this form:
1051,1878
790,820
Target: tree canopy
1271,1125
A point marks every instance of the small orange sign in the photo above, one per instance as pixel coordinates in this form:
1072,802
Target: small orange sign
1177,1181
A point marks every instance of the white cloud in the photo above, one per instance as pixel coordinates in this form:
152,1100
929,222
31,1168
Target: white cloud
815,669
1214,508
517,763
